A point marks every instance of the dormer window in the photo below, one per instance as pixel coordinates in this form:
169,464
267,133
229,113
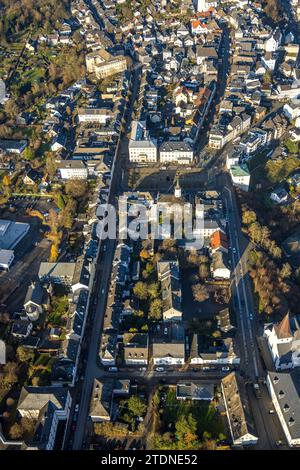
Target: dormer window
286,407
281,394
291,421
276,379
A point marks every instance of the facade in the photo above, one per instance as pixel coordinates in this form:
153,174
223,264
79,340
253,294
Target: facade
240,176
97,115
168,353
48,406
135,348
142,148
178,153
103,64
72,169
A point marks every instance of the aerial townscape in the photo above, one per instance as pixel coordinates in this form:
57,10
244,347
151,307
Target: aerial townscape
152,109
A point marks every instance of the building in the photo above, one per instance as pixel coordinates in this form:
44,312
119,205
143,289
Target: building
240,176
205,5
58,273
168,352
142,148
168,274
72,169
2,92
283,339
21,328
96,115
11,233
238,411
219,350
6,259
13,146
34,301
178,153
108,349
135,348
220,266
194,391
2,352
100,405
102,64
47,407
284,389
279,195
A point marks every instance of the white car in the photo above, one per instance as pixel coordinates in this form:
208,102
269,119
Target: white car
233,250
160,369
225,369
76,407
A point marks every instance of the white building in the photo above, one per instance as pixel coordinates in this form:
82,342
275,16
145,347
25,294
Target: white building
205,5
220,265
2,92
240,176
168,353
99,115
6,259
292,109
274,41
142,148
284,342
284,389
179,153
72,169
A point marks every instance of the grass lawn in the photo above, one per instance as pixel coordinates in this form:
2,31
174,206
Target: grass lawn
206,416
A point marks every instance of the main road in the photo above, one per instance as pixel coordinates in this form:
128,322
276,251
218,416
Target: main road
99,295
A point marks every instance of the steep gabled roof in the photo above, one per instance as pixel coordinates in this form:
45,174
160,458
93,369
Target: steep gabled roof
283,329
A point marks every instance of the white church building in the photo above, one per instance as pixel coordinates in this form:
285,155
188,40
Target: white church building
284,342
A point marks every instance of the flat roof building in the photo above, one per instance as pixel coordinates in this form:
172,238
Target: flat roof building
11,233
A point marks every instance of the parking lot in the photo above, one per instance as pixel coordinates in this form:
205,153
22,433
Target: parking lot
31,250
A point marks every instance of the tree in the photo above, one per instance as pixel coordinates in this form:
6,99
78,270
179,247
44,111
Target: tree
16,431
53,253
50,165
184,425
286,271
200,293
28,154
60,202
27,426
53,221
10,373
153,290
144,254
155,309
136,406
203,271
6,180
76,187
24,355
248,217
140,290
